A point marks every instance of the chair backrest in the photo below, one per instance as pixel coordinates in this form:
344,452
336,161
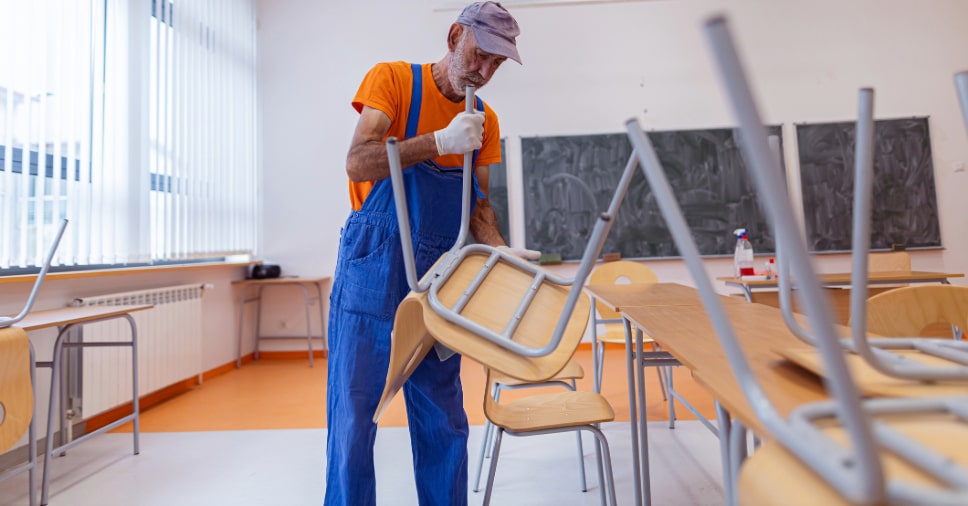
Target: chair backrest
889,261
906,312
611,273
16,391
6,321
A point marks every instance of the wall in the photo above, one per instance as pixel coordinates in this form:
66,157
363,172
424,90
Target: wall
589,67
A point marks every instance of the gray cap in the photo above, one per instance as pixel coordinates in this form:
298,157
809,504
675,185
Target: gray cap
493,27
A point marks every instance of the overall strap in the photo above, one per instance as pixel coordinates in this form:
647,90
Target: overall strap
416,93
413,116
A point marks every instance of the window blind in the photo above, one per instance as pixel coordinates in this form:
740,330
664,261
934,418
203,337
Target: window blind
136,120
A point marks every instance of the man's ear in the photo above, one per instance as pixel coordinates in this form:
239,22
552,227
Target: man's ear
453,36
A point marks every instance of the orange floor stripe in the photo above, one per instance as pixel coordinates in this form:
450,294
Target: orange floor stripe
288,394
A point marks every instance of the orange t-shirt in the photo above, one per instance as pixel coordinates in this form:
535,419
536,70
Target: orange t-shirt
387,87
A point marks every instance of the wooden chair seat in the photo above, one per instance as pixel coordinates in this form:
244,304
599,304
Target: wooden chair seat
16,390
417,326
774,476
494,305
550,411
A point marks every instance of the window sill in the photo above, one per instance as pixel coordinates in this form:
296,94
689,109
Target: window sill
29,278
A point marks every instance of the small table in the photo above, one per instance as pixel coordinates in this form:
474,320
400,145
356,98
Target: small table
844,278
647,296
840,298
687,333
66,319
301,282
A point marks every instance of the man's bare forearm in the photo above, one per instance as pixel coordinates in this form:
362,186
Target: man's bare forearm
368,161
484,226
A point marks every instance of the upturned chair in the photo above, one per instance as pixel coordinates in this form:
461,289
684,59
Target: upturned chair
17,411
489,305
860,451
18,375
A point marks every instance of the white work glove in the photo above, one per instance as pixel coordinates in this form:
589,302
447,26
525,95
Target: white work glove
527,254
464,133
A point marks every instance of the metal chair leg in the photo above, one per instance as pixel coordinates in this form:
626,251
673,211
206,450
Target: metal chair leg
485,439
581,451
493,470
485,444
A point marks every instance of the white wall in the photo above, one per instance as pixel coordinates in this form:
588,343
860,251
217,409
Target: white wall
589,67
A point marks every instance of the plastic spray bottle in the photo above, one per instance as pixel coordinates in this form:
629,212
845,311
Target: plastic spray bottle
743,255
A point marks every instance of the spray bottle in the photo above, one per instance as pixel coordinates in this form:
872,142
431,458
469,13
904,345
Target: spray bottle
743,255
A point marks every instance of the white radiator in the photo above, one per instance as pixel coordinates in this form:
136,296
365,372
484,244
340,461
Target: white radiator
169,346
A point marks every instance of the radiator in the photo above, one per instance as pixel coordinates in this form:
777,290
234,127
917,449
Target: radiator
169,348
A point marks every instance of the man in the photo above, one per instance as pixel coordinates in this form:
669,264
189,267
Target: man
423,106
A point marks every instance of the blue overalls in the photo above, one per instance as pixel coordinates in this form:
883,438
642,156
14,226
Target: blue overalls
369,284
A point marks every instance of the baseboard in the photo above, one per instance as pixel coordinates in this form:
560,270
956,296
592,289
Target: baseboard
288,355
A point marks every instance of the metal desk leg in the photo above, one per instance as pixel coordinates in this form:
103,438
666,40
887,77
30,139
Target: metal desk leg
725,426
309,326
242,302
633,416
672,398
56,364
737,454
643,422
748,292
258,320
322,319
32,433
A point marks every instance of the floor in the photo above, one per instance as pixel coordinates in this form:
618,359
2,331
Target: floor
255,437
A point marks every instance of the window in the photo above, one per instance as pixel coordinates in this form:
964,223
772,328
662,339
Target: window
136,120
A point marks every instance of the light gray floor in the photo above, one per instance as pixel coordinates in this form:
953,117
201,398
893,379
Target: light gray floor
286,468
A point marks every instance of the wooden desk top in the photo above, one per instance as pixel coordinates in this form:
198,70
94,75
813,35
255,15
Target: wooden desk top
36,320
687,333
283,280
843,278
619,297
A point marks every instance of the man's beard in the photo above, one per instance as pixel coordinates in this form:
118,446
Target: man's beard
459,77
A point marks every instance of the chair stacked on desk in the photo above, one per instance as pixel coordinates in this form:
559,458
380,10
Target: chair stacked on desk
848,449
17,412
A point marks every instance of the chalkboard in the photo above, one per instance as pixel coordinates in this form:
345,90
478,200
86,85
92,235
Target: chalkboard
570,180
904,206
497,193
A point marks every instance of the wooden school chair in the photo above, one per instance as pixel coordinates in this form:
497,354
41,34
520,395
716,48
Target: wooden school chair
907,312
548,414
614,329
889,261
17,413
863,451
489,305
567,378
18,375
847,443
